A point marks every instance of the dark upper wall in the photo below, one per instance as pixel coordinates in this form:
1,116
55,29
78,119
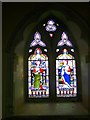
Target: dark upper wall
14,13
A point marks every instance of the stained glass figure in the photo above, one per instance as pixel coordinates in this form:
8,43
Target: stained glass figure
38,80
37,40
50,27
66,81
64,40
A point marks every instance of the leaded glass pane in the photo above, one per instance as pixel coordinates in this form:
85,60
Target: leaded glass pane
66,81
38,80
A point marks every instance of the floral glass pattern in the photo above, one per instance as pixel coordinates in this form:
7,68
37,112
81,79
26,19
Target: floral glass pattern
50,27
37,40
64,40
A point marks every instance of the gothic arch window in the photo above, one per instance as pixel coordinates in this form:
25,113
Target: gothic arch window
66,80
38,70
52,75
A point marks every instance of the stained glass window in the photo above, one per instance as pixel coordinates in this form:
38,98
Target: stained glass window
38,75
38,69
66,80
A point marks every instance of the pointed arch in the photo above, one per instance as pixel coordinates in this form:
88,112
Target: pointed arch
50,41
66,78
38,70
